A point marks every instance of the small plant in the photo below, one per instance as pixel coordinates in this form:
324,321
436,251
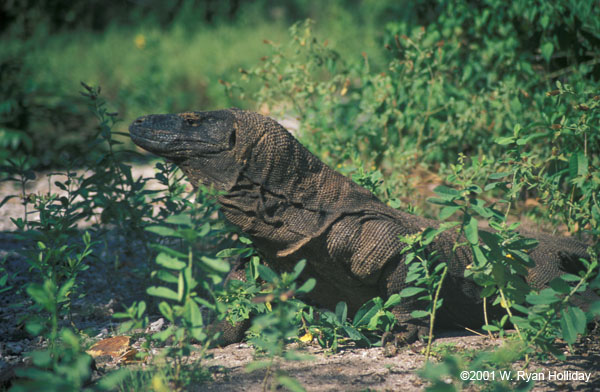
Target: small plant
501,260
275,328
18,171
179,263
425,276
62,367
333,328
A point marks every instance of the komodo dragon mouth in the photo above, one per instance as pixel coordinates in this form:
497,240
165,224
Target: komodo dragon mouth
295,207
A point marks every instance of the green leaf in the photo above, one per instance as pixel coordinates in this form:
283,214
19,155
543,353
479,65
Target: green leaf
570,278
365,313
298,268
6,198
487,291
419,313
578,165
163,292
444,191
169,251
204,230
520,321
193,314
544,297
547,49
169,262
503,141
352,333
470,226
232,252
166,276
180,219
393,300
442,202
492,240
479,207
166,310
218,265
572,323
516,130
41,296
447,212
34,327
560,285
307,286
524,243
180,287
164,335
64,290
245,240
266,273
341,312
429,234
163,231
497,176
141,308
290,383
491,328
411,291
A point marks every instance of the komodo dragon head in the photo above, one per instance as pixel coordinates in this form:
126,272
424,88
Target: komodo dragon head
220,147
201,143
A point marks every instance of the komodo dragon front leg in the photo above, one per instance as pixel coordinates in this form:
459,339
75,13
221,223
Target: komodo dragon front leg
295,207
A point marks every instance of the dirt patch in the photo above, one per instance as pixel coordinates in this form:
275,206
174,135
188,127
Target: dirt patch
360,369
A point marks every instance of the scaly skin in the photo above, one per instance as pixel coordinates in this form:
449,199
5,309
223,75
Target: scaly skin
295,207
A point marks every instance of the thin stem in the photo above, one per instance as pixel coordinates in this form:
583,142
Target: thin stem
25,200
267,375
507,307
485,317
432,314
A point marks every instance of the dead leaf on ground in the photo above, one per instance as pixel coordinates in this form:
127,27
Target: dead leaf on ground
116,347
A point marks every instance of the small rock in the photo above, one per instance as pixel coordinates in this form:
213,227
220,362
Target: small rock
156,326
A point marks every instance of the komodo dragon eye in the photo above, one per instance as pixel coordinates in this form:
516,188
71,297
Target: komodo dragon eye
191,121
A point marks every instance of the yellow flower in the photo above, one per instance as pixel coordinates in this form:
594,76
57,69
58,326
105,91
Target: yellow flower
307,337
140,41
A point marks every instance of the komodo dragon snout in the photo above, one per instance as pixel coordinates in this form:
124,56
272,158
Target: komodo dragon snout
295,207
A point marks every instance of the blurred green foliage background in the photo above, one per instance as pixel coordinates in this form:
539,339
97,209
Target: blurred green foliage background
479,66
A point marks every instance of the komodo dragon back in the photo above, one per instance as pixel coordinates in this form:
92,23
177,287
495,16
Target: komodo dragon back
295,207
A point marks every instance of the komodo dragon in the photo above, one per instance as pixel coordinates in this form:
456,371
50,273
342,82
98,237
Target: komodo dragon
295,207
